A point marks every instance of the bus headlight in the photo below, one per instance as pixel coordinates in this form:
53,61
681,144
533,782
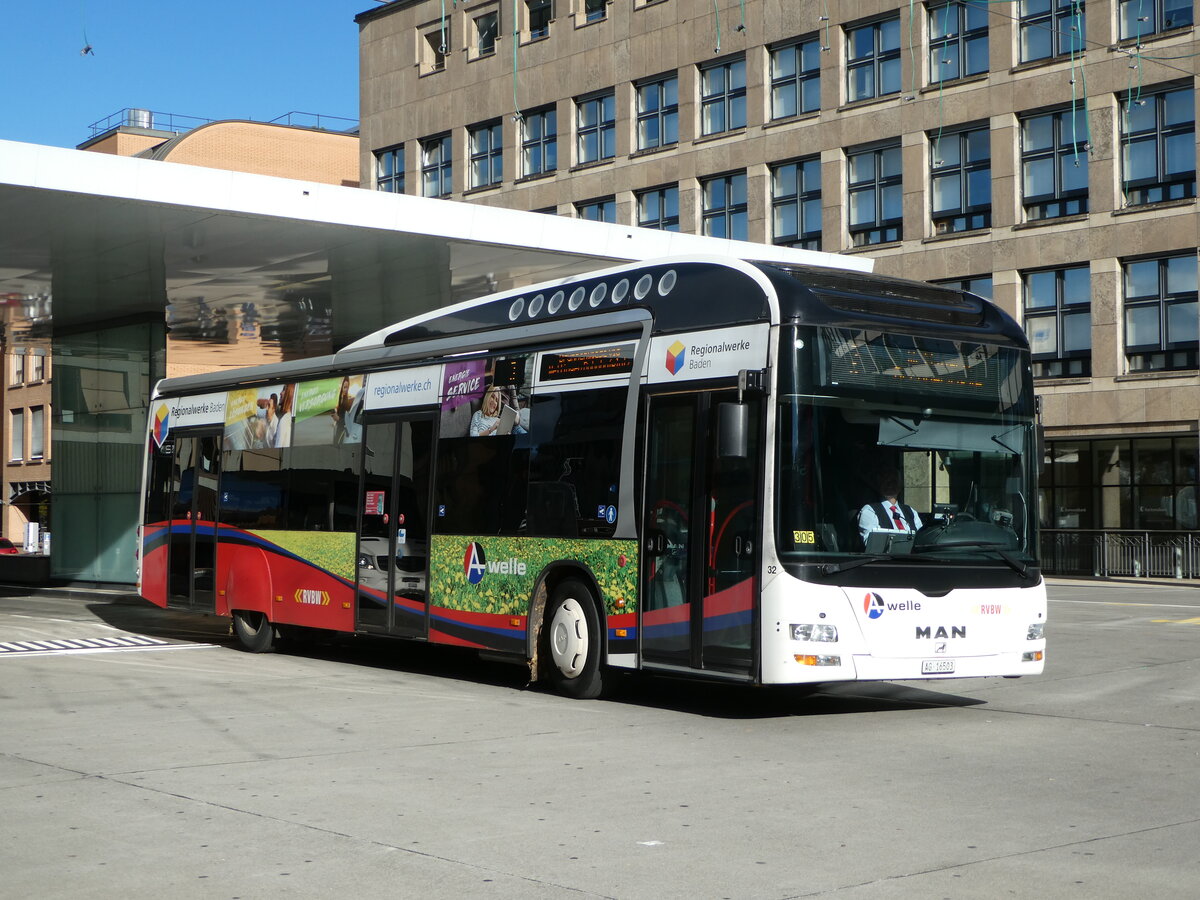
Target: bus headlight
1036,630
818,632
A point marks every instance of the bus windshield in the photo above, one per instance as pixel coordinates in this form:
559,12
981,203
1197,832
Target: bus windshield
897,445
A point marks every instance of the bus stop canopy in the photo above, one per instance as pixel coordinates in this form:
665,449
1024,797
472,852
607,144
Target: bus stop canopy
91,238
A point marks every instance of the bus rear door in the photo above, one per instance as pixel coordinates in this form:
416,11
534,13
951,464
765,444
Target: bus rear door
192,559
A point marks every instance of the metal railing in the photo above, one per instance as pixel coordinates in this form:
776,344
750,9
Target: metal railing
1138,554
316,121
133,117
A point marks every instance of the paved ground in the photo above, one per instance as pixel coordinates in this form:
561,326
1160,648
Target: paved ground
189,768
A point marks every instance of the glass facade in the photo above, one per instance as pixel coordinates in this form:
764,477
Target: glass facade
1146,483
102,383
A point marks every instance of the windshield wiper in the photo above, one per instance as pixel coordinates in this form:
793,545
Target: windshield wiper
835,568
1015,564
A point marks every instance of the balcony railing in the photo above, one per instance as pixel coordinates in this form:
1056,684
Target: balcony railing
1137,554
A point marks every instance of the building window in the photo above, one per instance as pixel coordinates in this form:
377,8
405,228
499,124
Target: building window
389,170
602,210
539,142
436,167
658,113
1161,326
1144,17
873,60
795,78
1051,28
1054,164
723,96
1158,146
796,203
958,40
659,208
960,175
16,370
434,42
37,367
487,27
1058,320
725,211
596,128
595,10
540,13
16,444
876,204
37,432
980,285
487,154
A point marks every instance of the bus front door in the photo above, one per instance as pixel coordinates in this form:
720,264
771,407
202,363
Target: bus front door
393,537
700,524
192,552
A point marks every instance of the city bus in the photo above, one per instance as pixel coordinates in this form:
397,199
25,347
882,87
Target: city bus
661,466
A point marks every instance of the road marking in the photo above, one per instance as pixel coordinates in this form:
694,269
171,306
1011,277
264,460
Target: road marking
1125,603
1195,621
64,646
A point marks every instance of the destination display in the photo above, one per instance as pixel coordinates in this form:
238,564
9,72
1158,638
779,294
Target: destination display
591,362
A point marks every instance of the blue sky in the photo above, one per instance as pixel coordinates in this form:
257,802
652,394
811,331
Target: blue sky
212,59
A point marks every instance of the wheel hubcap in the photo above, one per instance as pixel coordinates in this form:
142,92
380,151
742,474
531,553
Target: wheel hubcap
569,638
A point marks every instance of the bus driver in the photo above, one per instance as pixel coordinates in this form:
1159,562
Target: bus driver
888,514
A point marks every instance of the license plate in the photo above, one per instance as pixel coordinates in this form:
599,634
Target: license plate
937,666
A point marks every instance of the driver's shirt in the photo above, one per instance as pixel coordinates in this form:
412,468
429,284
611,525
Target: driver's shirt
899,518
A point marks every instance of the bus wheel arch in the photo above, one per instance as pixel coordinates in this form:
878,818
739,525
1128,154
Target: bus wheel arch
570,645
254,630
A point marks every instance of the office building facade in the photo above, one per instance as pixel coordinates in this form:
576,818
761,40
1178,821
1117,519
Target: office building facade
1041,153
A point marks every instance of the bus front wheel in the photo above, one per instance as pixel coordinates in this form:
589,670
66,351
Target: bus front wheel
254,630
572,641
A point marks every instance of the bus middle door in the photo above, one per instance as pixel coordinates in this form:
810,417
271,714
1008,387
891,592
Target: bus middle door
393,535
699,527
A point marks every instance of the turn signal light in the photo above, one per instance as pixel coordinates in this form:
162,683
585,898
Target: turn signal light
818,660
1032,656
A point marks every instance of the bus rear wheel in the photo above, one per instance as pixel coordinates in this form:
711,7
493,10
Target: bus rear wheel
254,630
571,636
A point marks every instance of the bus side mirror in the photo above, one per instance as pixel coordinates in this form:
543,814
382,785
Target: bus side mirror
733,430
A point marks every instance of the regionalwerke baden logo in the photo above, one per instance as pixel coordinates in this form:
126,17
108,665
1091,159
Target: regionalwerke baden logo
474,563
675,357
162,423
873,605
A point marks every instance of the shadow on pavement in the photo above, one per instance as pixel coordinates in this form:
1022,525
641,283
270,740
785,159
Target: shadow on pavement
701,698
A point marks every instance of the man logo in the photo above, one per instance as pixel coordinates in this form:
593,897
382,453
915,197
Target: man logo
474,564
675,358
873,605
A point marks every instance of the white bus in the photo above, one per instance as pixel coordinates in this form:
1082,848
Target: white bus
661,466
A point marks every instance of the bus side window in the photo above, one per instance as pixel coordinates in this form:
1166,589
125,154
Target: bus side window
574,469
480,485
252,489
